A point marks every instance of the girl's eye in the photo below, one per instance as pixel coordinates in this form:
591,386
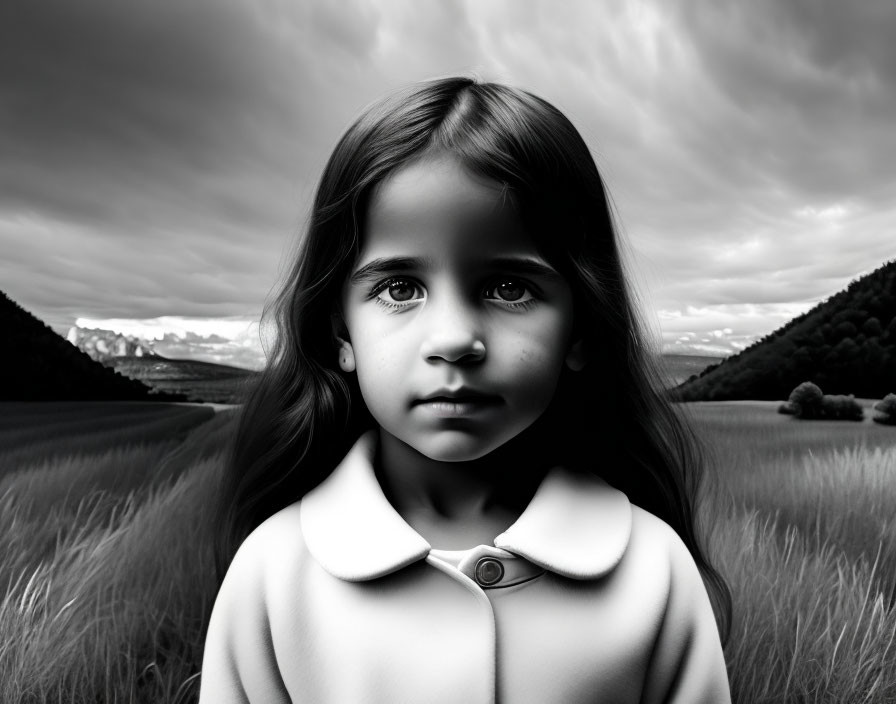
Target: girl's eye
398,291
510,291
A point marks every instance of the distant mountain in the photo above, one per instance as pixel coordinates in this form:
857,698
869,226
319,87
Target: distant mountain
36,364
845,345
104,345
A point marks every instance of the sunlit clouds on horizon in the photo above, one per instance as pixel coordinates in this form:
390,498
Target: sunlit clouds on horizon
235,342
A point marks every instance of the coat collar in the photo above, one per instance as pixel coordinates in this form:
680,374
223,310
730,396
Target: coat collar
576,525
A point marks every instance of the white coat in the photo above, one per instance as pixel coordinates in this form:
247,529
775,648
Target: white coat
337,600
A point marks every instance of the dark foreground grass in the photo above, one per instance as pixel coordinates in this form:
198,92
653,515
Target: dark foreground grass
65,429
106,572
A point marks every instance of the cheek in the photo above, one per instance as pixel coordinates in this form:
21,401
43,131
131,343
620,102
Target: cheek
533,369
381,366
539,347
377,352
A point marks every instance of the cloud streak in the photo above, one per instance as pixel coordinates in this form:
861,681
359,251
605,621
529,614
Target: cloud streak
157,159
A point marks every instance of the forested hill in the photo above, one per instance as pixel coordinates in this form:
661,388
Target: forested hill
36,364
846,345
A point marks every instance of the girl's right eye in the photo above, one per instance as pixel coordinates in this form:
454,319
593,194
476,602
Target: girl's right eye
397,293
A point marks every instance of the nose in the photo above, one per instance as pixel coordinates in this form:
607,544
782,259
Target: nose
454,336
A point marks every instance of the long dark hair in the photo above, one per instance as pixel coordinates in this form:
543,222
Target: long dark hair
304,414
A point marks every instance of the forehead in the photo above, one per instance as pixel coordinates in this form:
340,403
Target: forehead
434,207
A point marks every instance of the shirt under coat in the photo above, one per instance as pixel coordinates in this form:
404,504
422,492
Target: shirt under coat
337,600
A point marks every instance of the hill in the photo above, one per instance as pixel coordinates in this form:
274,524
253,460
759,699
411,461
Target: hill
846,345
196,380
36,364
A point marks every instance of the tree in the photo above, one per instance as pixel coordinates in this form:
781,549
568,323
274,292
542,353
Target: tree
845,330
872,327
891,329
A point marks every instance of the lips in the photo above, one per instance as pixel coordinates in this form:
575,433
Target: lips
458,402
459,395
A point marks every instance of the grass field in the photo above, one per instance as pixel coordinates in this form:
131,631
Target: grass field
104,560
105,564
801,521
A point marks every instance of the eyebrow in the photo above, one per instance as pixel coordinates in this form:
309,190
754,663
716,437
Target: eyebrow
391,265
387,265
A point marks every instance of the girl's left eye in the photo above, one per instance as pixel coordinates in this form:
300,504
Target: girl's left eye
510,291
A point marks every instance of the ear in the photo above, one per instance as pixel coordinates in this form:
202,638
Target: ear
577,356
345,351
344,348
346,356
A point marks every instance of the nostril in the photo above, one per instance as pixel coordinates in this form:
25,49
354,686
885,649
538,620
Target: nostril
458,351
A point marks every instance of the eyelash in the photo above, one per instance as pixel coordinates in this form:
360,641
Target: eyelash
392,305
383,285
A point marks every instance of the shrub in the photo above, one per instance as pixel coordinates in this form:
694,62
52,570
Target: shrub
885,410
809,403
841,408
805,400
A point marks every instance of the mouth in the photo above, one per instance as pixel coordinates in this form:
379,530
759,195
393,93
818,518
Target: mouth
459,402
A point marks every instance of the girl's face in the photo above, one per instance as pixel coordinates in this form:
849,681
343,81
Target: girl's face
457,326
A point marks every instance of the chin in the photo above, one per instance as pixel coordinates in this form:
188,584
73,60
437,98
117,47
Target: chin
456,447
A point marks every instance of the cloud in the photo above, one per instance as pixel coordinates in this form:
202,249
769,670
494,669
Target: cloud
210,349
696,330
157,159
114,109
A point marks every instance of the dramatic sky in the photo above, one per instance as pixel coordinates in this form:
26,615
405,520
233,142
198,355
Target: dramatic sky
157,159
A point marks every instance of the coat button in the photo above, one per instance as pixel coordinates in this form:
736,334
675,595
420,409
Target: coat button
488,571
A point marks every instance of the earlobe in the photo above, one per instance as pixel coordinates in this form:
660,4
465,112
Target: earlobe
345,353
576,358
346,356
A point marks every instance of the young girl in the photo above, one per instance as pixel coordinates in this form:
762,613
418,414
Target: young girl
457,479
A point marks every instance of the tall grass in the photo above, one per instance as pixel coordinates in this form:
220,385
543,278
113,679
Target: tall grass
800,522
809,624
106,579
843,498
118,611
833,481
108,572
41,505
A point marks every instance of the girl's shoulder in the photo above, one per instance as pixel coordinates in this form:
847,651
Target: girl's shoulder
655,546
283,526
274,544
651,530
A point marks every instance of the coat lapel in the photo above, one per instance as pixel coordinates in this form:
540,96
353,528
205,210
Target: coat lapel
349,525
576,525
